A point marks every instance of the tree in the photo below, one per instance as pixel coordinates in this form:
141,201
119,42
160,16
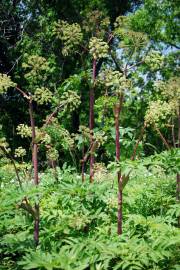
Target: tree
161,24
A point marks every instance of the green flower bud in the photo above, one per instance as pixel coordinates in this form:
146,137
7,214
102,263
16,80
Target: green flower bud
154,60
70,100
98,48
5,145
42,95
5,83
24,131
20,152
70,35
36,68
52,154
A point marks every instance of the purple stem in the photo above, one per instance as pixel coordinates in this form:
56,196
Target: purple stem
117,110
91,121
35,165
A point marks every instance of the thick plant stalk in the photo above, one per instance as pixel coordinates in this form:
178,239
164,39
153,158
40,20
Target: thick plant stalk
178,174
179,127
117,110
83,165
178,187
96,69
35,165
178,193
91,121
82,171
173,134
53,165
162,137
34,211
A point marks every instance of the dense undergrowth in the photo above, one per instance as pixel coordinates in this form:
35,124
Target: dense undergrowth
78,228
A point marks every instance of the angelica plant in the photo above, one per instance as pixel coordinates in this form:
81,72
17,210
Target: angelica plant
98,49
72,38
119,83
36,69
161,111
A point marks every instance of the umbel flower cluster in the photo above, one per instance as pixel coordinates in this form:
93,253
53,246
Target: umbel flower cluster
132,40
52,153
98,48
114,80
70,100
129,38
5,83
36,68
96,22
24,130
158,111
168,105
85,134
170,89
70,35
100,137
5,145
121,22
20,152
60,136
85,131
42,95
154,60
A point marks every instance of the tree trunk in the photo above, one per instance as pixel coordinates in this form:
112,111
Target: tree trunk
35,166
117,110
91,121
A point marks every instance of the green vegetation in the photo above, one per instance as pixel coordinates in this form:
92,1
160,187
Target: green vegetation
89,135
78,221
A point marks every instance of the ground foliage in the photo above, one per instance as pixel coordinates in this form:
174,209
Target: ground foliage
78,221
